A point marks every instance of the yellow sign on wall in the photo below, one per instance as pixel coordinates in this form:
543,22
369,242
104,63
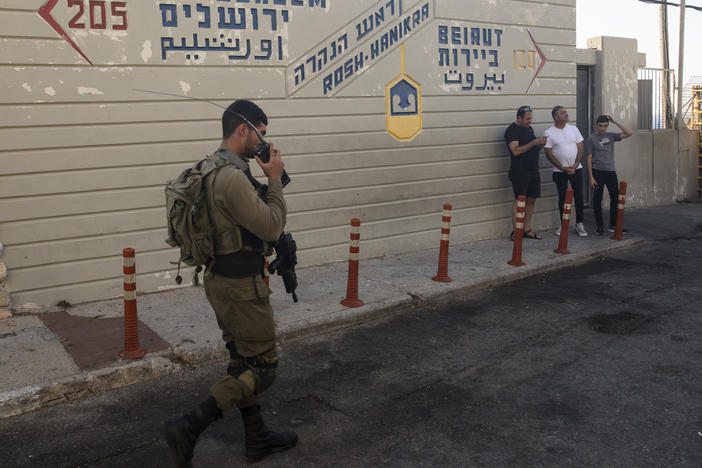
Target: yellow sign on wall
403,105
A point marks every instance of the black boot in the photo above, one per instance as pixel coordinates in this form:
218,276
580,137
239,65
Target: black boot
182,433
261,441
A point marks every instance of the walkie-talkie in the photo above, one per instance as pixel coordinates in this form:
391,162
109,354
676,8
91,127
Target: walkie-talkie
263,151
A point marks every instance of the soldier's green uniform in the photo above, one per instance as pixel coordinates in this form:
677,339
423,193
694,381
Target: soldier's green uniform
244,227
235,286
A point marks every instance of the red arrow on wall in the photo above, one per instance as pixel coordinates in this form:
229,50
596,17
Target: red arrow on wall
45,12
541,65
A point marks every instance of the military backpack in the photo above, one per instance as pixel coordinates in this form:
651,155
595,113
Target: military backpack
189,224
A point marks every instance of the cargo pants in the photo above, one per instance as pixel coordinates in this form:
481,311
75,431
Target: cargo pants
245,316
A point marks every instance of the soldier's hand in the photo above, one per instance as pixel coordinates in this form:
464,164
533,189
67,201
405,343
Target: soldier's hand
274,167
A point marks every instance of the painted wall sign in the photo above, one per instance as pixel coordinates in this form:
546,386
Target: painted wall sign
361,44
85,16
478,59
470,58
403,104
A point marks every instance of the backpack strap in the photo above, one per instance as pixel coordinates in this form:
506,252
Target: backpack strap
241,236
232,237
214,170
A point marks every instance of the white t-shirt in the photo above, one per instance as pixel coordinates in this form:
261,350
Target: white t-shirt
564,144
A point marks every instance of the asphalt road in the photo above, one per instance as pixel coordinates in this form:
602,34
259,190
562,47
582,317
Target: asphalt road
594,365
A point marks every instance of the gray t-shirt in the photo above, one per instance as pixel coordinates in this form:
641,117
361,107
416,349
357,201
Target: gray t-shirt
602,149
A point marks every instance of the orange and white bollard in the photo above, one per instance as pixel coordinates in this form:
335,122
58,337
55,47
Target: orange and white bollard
518,233
131,323
565,224
619,229
442,274
352,299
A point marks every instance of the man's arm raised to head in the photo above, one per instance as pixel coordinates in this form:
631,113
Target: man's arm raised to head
626,133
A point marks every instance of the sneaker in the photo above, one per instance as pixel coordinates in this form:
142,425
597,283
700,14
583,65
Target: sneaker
600,230
558,231
580,229
613,228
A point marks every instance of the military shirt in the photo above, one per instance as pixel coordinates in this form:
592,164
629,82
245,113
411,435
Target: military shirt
238,203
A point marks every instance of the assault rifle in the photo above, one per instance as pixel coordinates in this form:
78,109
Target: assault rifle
284,263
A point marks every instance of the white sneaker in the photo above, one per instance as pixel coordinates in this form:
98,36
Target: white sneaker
580,229
558,231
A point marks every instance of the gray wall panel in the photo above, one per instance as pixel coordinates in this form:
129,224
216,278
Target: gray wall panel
83,157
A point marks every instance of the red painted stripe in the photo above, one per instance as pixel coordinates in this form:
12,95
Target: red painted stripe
354,249
130,270
355,236
130,286
445,231
355,222
45,12
446,219
541,65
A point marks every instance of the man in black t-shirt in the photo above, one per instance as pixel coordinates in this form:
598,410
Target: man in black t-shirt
524,148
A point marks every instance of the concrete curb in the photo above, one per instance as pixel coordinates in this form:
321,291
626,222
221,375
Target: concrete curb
34,397
82,385
350,317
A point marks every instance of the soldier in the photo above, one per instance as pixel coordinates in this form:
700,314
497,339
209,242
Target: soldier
245,220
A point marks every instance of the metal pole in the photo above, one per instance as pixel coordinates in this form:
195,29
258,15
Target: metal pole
681,59
679,121
665,64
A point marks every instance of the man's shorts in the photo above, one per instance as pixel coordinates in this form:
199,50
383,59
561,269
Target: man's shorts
525,182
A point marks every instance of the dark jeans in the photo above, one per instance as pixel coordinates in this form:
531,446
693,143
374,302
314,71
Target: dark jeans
576,182
605,179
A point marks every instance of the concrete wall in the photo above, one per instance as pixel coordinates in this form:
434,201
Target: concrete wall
649,162
83,157
657,170
615,78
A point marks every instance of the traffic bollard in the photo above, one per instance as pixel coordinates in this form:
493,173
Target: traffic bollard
565,224
619,229
352,299
442,273
518,233
131,322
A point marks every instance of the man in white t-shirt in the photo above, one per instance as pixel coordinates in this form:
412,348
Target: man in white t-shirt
564,149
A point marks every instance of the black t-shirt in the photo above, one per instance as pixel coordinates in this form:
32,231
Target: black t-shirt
528,160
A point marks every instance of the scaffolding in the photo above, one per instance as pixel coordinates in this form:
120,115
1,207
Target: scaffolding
696,124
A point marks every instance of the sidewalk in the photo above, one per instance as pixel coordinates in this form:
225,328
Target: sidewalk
61,356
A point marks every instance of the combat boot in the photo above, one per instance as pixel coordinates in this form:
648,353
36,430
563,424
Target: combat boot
261,441
182,433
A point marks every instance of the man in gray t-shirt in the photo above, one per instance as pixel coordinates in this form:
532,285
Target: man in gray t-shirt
599,148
